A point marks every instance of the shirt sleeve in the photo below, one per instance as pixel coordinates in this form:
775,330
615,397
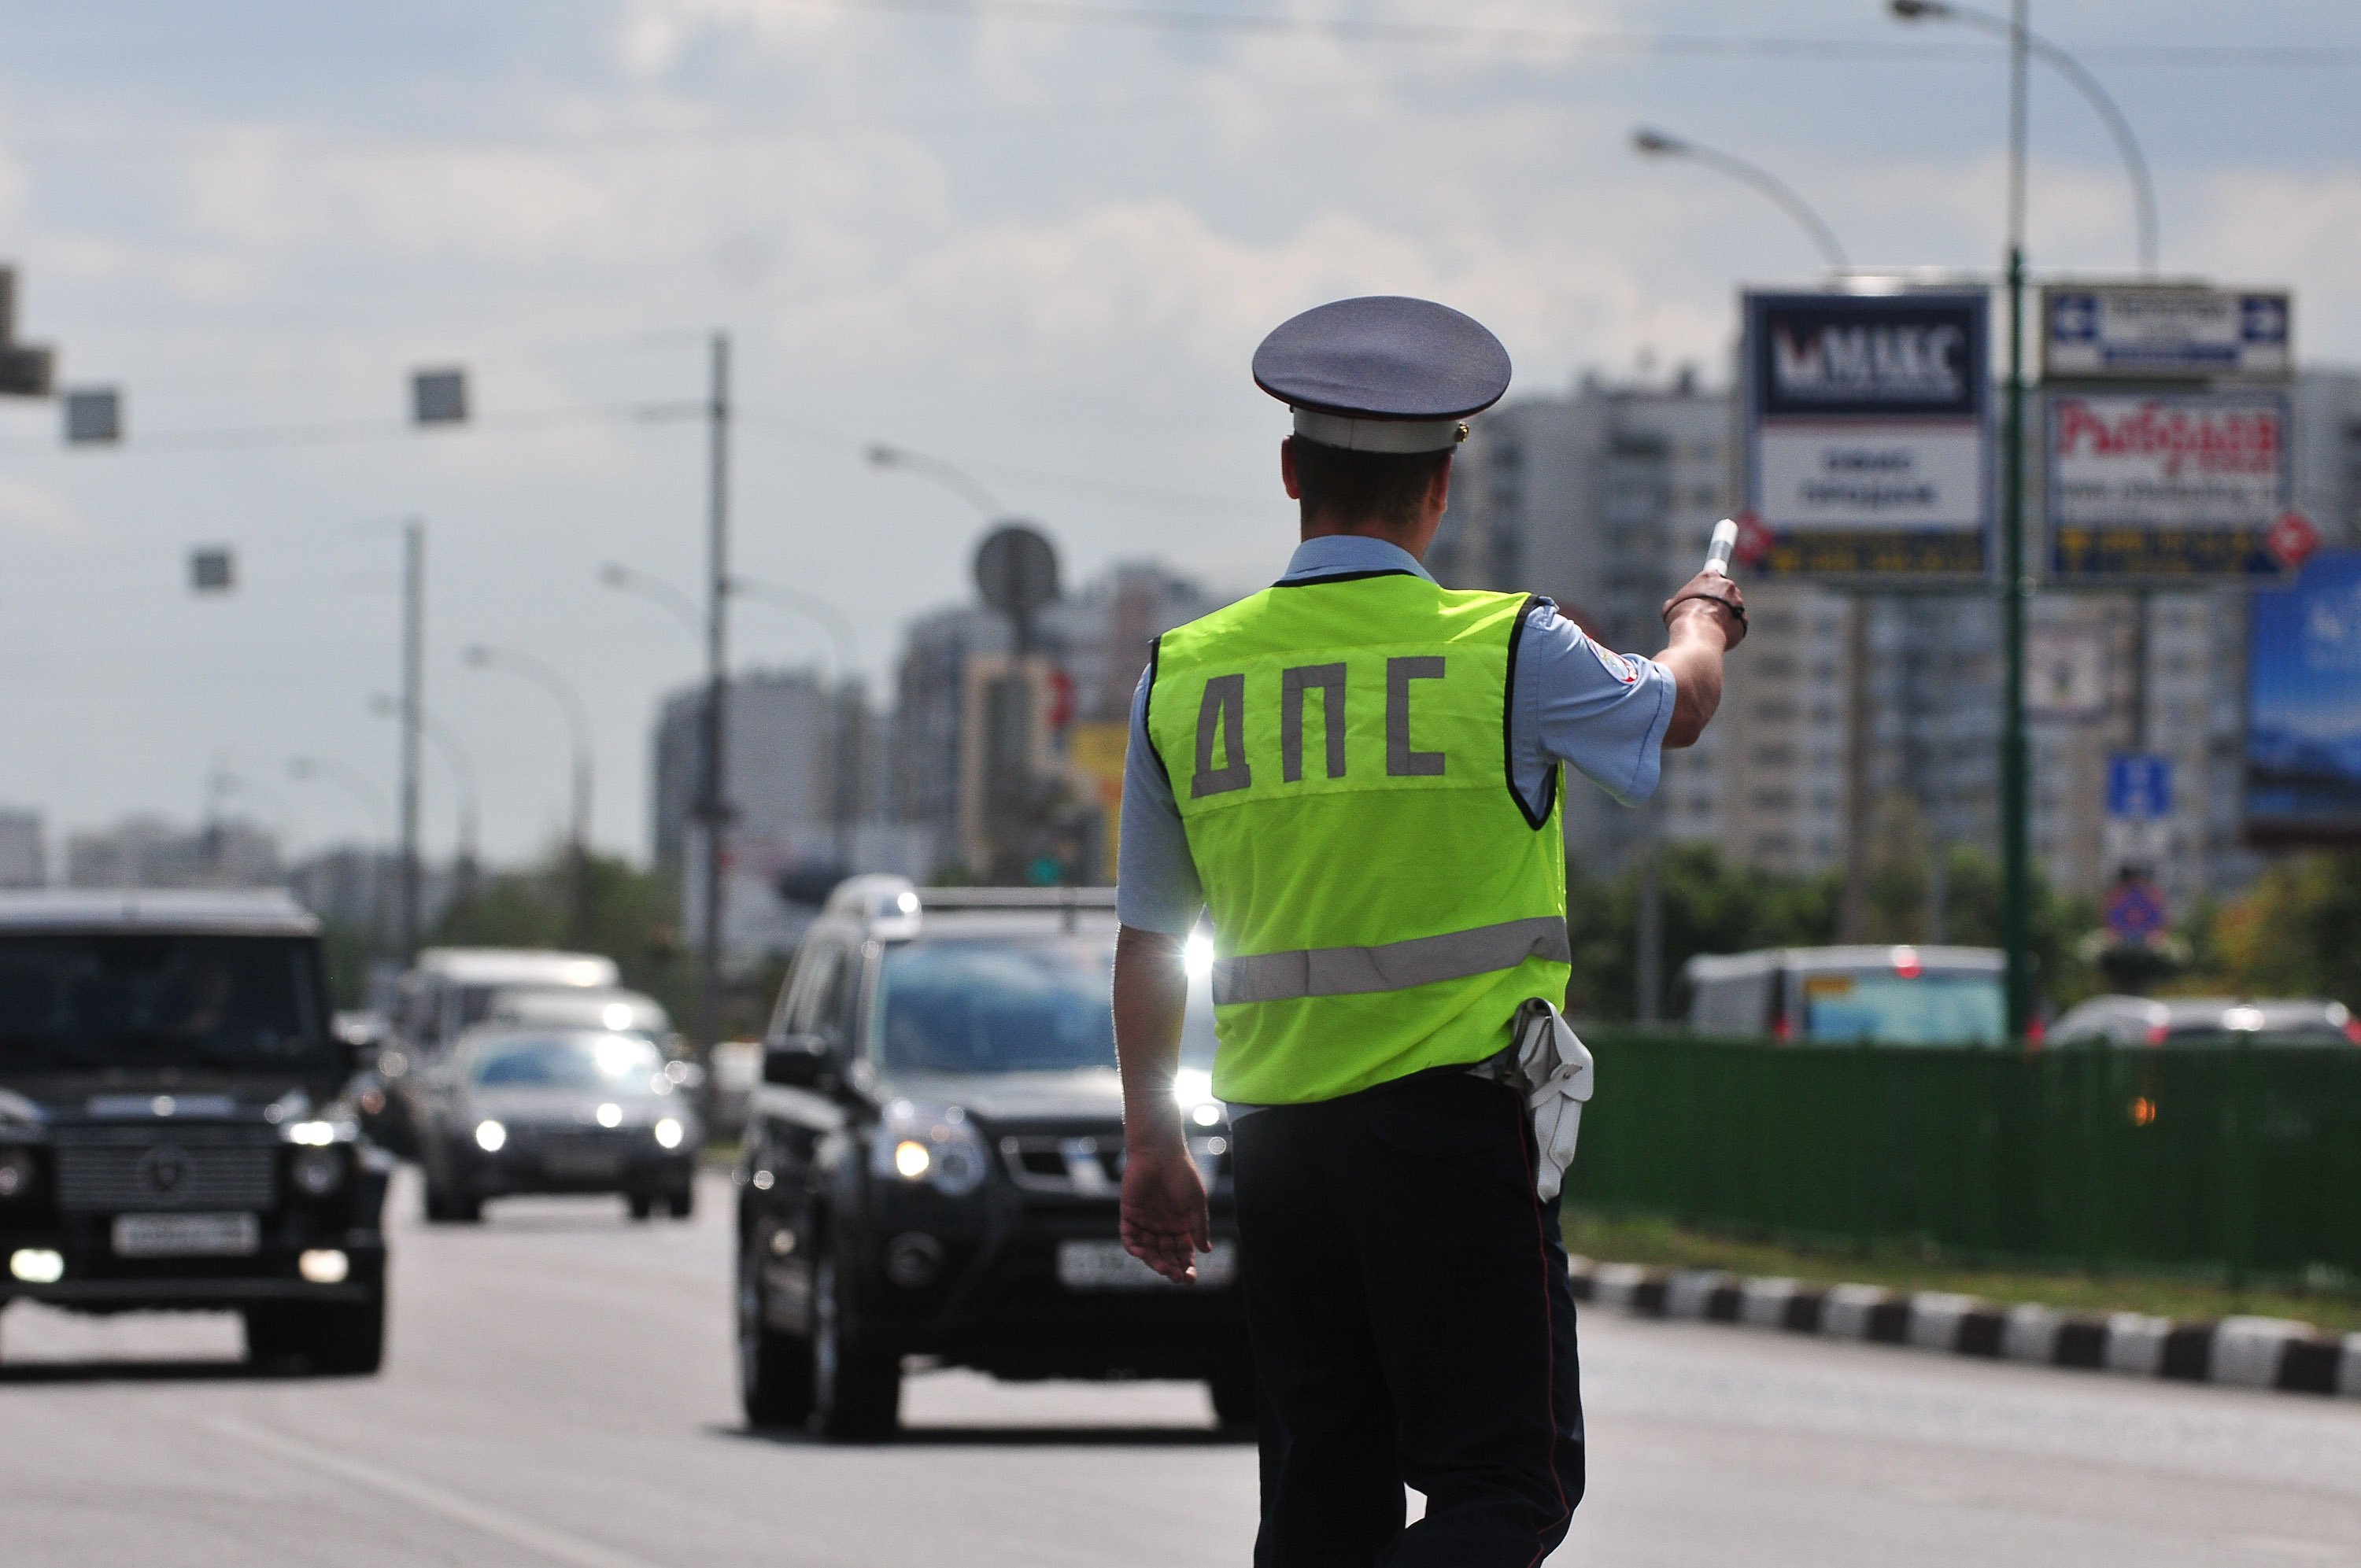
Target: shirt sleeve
1156,877
1602,713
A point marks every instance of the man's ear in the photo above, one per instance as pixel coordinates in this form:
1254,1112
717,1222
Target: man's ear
1286,469
1438,489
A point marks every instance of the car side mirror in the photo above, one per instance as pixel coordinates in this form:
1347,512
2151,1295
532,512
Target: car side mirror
798,1062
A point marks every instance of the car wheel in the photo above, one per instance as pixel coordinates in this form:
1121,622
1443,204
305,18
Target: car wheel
775,1368
346,1339
683,1203
642,1204
856,1385
1237,1394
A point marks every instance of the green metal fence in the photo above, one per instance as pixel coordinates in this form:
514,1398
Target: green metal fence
2247,1158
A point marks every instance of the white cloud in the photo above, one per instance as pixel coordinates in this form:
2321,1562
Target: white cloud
31,507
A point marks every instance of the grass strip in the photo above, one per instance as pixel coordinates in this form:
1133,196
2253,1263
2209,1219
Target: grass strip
1663,1243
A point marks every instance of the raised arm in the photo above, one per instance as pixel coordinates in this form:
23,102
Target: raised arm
1706,619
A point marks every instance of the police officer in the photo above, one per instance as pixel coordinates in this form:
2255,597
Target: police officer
1354,773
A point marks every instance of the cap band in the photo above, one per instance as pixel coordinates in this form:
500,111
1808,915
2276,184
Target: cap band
1402,435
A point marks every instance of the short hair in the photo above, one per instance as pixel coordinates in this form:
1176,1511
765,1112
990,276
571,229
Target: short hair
1353,487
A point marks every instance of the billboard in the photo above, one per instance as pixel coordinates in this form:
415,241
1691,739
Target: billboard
2147,333
2303,707
2172,486
1868,446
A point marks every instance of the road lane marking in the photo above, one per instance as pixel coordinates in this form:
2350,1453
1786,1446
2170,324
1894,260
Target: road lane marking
513,1528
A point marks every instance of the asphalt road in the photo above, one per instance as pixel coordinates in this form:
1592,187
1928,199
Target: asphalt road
558,1392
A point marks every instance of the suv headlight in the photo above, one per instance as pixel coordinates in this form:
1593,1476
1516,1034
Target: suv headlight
933,1143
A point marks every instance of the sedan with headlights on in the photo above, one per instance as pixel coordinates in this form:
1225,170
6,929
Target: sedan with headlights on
518,1109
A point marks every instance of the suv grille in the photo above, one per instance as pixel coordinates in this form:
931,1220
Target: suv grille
1092,1167
115,1169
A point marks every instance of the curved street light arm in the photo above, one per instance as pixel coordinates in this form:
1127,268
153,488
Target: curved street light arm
838,624
545,675
615,574
352,781
954,480
454,757
1657,144
2099,100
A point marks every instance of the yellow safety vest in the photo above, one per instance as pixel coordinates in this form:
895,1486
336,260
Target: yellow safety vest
1382,898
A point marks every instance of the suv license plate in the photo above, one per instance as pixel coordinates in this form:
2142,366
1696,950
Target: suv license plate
1104,1266
187,1235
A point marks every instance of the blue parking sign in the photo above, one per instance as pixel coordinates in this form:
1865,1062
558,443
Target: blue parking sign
2139,786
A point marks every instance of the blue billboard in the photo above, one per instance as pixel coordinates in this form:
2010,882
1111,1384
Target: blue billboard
2303,707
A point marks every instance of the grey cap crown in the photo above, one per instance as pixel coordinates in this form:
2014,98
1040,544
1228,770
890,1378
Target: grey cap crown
1384,356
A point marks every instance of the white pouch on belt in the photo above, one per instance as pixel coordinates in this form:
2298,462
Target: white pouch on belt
1553,1068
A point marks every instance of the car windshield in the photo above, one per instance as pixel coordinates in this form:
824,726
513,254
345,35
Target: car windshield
610,1063
1892,1009
100,1000
1032,1006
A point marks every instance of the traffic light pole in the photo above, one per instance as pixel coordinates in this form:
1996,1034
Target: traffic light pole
2015,768
714,807
413,675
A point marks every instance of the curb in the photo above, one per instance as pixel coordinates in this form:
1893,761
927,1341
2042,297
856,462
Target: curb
2249,1353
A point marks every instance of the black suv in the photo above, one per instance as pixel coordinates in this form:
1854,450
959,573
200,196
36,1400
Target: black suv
932,1162
171,1133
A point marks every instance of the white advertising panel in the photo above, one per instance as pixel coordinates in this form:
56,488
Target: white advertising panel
1862,476
1867,437
2172,484
2147,333
2168,462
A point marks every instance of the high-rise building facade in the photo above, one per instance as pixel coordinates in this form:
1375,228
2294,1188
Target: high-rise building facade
1090,649
805,769
149,852
23,859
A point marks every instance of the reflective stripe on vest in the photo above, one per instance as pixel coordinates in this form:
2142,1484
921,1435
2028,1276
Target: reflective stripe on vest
1395,966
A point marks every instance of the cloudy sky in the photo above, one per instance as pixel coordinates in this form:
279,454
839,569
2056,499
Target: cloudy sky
1032,240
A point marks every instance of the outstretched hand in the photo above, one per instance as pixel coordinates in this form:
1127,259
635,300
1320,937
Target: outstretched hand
1715,598
1164,1222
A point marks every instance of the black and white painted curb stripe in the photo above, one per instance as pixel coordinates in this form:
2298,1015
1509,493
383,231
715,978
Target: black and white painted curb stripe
2254,1353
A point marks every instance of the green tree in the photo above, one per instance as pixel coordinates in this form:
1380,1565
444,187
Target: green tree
633,919
1712,907
2297,932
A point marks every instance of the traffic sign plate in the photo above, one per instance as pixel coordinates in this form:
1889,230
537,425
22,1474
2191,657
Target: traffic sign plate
2134,911
2139,786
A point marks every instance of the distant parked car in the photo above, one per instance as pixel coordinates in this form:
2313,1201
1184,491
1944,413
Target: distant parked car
517,1109
737,1069
1896,996
2205,1021
452,989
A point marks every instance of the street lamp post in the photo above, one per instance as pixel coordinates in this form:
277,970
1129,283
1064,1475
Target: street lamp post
951,479
413,675
837,625
2127,145
577,723
1653,143
1649,939
456,757
356,785
713,803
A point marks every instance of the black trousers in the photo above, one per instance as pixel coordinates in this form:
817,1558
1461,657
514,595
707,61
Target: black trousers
1413,1322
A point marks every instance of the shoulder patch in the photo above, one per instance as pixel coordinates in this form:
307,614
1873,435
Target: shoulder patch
1616,665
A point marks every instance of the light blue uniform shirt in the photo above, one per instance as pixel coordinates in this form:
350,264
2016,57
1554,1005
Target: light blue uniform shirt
1604,713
